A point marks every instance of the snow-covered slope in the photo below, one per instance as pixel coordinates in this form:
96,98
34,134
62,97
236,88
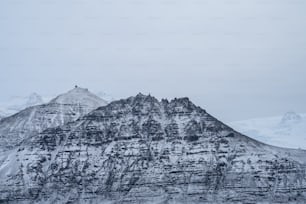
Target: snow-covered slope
141,150
64,108
284,131
18,103
79,96
105,96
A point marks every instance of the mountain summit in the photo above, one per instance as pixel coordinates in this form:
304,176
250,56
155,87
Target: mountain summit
141,150
64,108
79,96
33,100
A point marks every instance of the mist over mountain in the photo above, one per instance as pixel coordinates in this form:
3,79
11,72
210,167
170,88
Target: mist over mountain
17,103
288,130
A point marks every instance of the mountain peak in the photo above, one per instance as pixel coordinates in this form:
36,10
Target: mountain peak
78,89
143,96
140,95
140,98
79,95
291,118
34,99
146,105
183,100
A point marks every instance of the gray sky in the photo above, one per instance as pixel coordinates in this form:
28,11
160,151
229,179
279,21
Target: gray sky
237,59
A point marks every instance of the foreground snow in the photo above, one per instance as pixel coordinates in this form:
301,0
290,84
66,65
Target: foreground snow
284,131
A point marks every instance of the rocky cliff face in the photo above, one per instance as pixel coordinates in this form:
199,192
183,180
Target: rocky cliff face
65,108
141,150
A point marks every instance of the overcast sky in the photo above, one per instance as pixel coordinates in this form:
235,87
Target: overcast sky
237,59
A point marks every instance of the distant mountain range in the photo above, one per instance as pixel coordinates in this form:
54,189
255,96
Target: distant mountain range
18,103
284,131
77,149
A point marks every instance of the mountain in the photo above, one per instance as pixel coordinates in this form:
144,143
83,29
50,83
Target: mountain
285,131
18,103
62,109
141,150
291,118
105,96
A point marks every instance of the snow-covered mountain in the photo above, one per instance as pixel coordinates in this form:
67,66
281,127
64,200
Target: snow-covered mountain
62,109
284,131
79,96
141,150
105,96
18,103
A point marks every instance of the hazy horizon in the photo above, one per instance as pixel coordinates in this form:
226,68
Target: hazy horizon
236,59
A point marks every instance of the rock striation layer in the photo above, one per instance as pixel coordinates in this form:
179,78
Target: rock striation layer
141,150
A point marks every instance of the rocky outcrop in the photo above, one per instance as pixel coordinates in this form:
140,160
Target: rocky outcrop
141,150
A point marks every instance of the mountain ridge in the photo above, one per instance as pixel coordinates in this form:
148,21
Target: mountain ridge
141,150
18,103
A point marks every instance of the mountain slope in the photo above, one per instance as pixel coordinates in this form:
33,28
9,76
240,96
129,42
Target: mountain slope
105,96
141,150
285,131
64,108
